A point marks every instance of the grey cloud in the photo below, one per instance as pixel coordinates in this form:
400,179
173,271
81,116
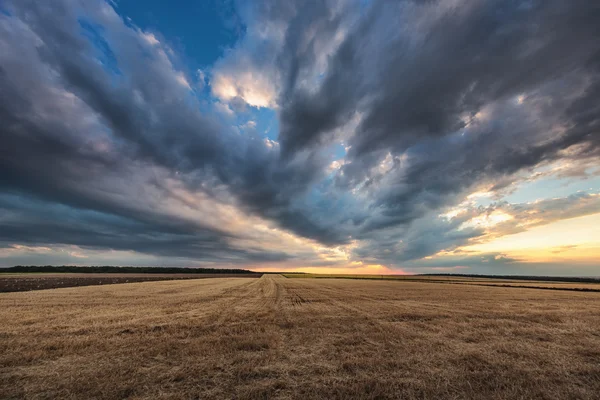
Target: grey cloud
33,222
543,212
431,233
77,134
422,237
420,74
440,62
420,102
499,264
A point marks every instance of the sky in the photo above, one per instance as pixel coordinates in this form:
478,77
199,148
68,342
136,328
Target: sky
333,136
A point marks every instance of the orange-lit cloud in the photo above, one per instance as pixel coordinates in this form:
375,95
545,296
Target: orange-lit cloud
569,240
355,268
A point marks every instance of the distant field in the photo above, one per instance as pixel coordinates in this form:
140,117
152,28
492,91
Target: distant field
484,281
592,287
281,338
23,282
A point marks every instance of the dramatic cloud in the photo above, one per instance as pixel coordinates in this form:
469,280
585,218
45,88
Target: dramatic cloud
389,116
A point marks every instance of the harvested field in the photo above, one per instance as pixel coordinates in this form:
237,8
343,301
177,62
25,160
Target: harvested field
589,287
274,337
593,286
26,282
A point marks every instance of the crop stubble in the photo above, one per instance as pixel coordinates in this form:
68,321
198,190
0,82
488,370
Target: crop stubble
274,337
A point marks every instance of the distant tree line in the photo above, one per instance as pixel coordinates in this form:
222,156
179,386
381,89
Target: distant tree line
525,278
124,270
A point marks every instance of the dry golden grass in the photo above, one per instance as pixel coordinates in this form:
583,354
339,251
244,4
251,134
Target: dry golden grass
485,281
299,339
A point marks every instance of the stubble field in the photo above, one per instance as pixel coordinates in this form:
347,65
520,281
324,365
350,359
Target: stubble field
275,337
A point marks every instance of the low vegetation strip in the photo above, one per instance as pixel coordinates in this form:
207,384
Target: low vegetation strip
282,338
41,281
589,288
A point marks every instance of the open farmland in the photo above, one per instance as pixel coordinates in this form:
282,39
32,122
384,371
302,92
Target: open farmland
23,282
574,284
274,337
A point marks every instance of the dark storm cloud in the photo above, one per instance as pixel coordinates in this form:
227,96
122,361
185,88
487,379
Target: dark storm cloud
438,63
28,221
97,117
420,72
89,109
421,238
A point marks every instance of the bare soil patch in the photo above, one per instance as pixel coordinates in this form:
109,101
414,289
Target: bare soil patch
28,282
